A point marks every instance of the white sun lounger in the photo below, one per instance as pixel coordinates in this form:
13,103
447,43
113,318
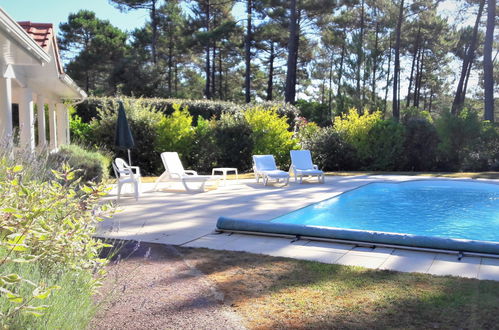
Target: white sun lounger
174,172
302,166
264,166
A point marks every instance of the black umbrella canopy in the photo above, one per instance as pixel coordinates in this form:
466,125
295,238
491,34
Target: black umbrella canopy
124,137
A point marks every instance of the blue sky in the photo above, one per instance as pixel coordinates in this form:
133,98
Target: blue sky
57,11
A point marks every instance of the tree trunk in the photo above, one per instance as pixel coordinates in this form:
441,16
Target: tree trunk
207,91
213,70
170,65
460,96
488,68
154,27
388,73
290,90
396,69
220,75
270,82
375,60
340,74
416,54
330,92
247,46
360,54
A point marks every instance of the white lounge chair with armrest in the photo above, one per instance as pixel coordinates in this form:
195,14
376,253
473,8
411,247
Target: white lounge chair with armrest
125,174
301,165
174,172
264,166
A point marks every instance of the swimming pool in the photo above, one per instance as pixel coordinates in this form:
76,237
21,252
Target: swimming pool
443,214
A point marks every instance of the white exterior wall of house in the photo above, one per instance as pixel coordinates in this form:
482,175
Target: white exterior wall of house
31,75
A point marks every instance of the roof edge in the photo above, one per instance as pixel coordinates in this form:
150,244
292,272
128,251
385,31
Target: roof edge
70,83
22,37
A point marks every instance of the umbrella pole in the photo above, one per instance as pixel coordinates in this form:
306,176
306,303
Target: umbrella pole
129,158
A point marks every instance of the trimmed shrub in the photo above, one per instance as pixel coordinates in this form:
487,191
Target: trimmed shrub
175,132
204,149
197,108
329,150
354,129
457,135
384,146
270,134
314,111
92,165
234,139
483,153
420,145
144,124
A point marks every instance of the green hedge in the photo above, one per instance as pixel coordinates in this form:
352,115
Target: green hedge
203,108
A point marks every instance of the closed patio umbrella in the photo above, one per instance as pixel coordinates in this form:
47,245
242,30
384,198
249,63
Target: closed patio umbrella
124,138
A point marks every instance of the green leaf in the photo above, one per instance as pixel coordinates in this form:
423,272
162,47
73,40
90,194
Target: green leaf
11,278
17,168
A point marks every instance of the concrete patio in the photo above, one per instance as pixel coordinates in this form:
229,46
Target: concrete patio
188,219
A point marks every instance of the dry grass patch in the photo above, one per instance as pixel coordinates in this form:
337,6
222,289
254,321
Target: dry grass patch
283,293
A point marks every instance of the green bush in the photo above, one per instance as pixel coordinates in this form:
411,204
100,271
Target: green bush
93,165
316,112
204,149
384,146
329,150
270,134
47,247
483,153
175,132
79,130
457,135
420,145
234,138
144,124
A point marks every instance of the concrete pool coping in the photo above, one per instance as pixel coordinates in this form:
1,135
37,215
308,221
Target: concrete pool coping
186,219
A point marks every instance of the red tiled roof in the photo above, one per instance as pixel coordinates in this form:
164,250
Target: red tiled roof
40,32
43,34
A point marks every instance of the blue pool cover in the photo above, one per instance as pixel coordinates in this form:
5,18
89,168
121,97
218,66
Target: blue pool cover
231,224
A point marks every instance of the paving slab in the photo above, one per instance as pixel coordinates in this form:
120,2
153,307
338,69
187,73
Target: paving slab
446,264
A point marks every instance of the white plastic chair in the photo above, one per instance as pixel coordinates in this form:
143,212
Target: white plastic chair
175,172
264,166
125,174
301,165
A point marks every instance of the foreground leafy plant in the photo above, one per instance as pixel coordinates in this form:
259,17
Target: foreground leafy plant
49,224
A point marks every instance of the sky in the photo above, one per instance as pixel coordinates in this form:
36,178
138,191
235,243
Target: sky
57,11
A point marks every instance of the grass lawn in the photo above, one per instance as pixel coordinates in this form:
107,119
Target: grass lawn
284,293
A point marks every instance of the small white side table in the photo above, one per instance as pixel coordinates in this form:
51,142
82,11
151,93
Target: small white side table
224,171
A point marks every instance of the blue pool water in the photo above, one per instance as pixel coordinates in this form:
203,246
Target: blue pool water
444,208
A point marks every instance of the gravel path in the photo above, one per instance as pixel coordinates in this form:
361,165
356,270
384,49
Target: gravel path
150,286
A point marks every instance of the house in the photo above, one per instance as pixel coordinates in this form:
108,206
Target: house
32,73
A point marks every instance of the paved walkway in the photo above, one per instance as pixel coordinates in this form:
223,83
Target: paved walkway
189,219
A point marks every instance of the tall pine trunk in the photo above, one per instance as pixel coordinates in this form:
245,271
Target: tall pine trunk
290,89
154,27
388,73
247,47
270,81
360,55
396,69
207,90
460,96
488,68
